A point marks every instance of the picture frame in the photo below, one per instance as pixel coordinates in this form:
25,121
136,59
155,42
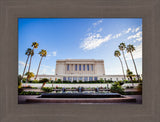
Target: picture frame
11,111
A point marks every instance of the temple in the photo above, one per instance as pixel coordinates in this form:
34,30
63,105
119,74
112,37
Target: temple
79,69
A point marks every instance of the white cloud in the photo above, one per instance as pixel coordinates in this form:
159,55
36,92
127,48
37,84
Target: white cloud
54,53
139,39
129,29
100,30
21,63
93,41
137,35
98,22
117,35
48,55
137,29
45,69
136,54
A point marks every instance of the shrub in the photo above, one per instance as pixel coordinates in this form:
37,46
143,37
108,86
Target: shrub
120,83
35,81
58,81
139,87
29,93
30,81
47,89
116,88
101,80
74,81
19,81
44,80
24,80
80,81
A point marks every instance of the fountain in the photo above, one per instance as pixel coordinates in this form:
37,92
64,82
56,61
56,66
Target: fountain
63,90
79,89
97,89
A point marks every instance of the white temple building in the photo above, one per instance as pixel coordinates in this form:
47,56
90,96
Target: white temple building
80,69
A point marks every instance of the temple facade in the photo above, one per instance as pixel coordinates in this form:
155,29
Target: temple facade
79,69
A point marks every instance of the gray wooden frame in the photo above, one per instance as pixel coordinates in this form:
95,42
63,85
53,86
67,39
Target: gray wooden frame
11,111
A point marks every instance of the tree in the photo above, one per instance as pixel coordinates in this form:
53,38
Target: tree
130,49
34,45
32,53
29,75
42,53
130,75
28,53
44,80
118,54
122,47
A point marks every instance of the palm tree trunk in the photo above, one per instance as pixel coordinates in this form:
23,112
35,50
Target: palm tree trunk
25,66
29,69
125,60
43,85
135,66
38,68
122,68
29,66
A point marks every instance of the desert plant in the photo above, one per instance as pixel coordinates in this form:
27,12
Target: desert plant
116,88
44,80
47,89
29,75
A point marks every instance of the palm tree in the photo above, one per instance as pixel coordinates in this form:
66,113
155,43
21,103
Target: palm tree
122,47
29,75
118,54
32,53
42,53
130,75
28,53
34,45
130,49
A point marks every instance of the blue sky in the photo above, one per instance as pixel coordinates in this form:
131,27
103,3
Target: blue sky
74,38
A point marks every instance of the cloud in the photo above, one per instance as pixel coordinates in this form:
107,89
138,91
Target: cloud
137,29
21,63
93,41
97,23
129,29
45,69
136,54
137,35
54,53
117,35
100,30
48,55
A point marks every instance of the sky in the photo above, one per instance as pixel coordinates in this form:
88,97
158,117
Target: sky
79,38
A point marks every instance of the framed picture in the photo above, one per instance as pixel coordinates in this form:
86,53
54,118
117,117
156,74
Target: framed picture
15,15
51,72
